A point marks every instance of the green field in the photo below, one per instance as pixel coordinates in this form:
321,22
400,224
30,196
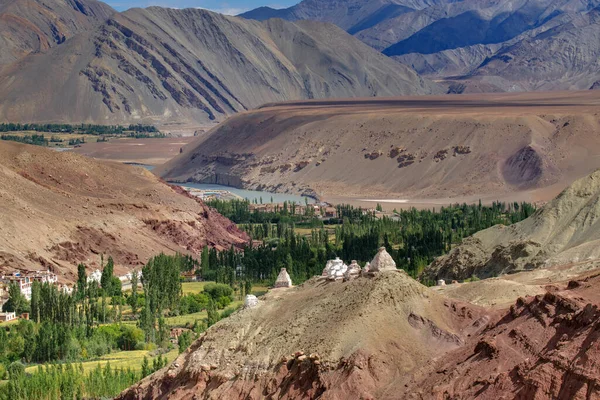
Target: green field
9,323
193,287
121,359
197,287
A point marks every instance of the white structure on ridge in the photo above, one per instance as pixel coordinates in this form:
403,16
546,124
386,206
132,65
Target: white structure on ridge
366,268
251,301
382,262
283,279
335,269
353,271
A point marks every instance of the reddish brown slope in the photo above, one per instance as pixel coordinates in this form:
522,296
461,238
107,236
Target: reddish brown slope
59,209
547,347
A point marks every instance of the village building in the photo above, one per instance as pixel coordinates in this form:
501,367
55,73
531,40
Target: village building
329,212
283,280
23,282
95,276
7,316
44,277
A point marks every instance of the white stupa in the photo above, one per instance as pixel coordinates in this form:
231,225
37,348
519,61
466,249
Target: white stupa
336,269
366,268
250,301
353,271
283,279
382,262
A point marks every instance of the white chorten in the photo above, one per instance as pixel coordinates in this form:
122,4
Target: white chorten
366,268
336,269
382,262
251,301
283,279
353,271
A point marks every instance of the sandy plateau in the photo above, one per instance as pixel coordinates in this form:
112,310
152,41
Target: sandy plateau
429,150
142,151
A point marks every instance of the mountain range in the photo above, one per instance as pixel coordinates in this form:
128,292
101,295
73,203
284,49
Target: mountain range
159,65
473,45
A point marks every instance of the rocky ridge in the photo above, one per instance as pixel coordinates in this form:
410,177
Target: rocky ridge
564,231
168,66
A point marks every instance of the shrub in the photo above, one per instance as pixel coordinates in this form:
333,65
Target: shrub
15,370
218,290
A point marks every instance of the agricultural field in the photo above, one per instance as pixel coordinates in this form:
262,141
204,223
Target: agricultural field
122,359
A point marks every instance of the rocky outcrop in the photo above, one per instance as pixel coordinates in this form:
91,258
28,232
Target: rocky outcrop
543,347
564,231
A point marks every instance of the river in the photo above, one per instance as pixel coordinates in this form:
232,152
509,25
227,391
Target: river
251,195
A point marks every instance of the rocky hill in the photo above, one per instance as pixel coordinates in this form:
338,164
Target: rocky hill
160,65
33,26
520,146
388,337
60,209
564,231
329,340
475,45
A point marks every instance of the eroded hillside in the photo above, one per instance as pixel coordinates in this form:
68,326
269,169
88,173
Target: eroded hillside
328,340
162,66
564,231
411,148
60,209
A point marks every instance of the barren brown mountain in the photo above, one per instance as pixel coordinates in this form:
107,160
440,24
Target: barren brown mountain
475,45
33,26
522,146
160,66
60,209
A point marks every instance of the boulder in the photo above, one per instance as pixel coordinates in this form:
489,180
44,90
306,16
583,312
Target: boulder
382,262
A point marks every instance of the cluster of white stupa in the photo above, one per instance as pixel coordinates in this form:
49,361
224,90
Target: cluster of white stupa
337,270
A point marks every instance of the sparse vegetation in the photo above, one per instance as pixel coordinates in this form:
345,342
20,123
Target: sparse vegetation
63,133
